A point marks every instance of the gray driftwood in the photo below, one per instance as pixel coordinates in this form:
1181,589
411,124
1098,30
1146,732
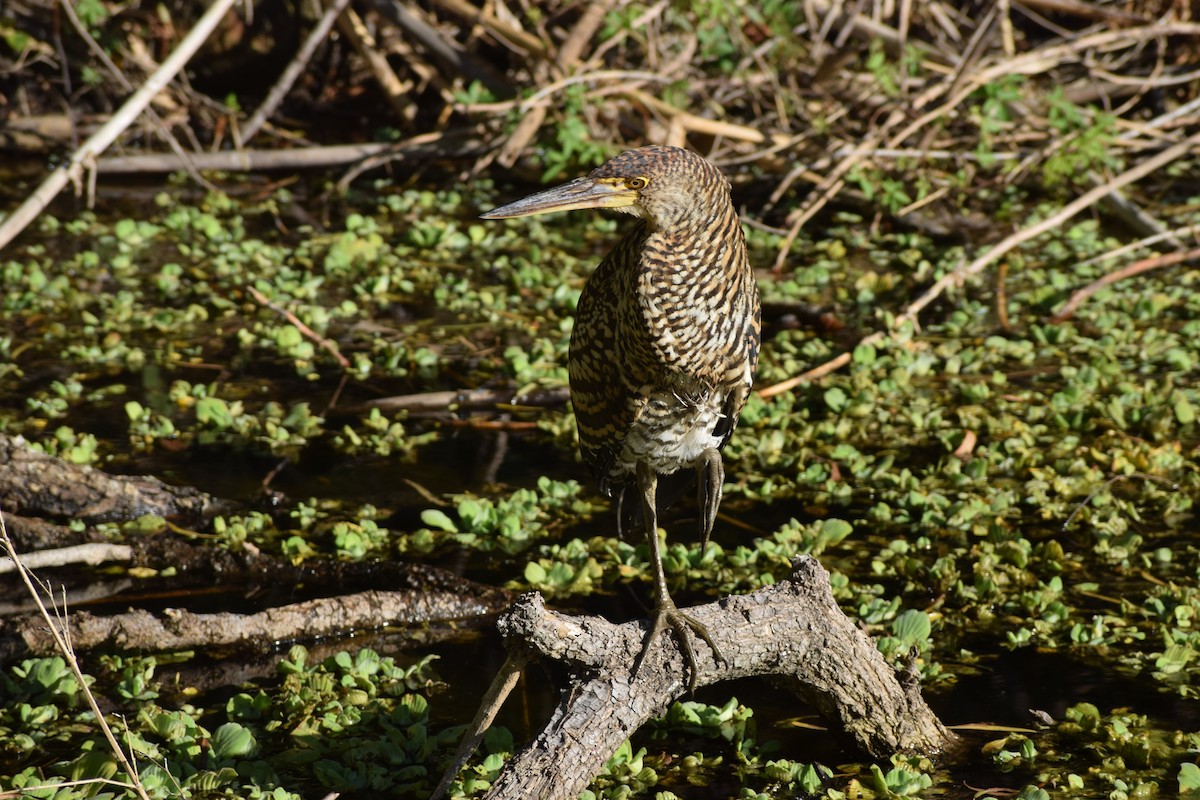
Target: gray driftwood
180,629
793,632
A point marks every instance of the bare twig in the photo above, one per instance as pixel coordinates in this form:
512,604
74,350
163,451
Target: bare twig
1189,230
394,89
455,61
816,373
58,630
90,553
499,690
299,325
1136,268
465,400
319,34
246,160
504,32
85,156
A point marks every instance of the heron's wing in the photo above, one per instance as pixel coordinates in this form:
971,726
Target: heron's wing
602,376
735,401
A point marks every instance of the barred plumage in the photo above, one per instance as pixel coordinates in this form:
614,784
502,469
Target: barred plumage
666,335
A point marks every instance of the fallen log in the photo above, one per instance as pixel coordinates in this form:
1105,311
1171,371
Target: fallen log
35,484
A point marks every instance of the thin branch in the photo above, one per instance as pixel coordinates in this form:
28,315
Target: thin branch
499,690
58,629
299,325
1136,268
316,36
91,553
394,89
99,141
246,160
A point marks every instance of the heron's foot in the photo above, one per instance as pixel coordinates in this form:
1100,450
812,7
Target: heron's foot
684,625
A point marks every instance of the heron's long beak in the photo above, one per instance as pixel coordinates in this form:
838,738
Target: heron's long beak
579,193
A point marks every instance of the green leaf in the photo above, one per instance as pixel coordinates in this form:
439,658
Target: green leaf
836,399
435,518
1189,778
233,740
535,573
912,627
213,410
1185,412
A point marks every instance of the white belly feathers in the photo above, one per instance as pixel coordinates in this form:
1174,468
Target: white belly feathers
671,431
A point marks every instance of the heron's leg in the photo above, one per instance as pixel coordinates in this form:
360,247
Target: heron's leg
710,481
665,612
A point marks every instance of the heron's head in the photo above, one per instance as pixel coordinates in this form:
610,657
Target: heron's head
667,186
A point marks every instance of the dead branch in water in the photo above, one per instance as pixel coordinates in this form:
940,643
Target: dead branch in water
793,632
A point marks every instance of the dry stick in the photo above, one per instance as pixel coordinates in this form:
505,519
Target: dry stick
180,629
691,122
628,76
568,56
306,331
502,31
453,58
57,630
1136,268
458,145
1002,296
316,36
465,141
815,373
501,687
1087,10
1005,246
248,160
100,140
459,401
1189,230
1065,213
91,553
352,26
163,130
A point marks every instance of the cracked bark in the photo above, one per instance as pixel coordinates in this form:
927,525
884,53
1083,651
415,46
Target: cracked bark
793,632
35,484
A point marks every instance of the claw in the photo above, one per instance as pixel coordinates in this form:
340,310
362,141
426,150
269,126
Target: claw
684,625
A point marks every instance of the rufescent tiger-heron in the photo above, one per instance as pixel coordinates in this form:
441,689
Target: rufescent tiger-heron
665,342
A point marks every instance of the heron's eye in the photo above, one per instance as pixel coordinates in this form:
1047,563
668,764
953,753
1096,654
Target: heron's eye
636,183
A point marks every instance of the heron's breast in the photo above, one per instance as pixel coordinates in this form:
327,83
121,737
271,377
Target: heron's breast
671,431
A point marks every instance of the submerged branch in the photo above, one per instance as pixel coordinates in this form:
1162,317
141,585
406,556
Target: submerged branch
179,629
35,483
